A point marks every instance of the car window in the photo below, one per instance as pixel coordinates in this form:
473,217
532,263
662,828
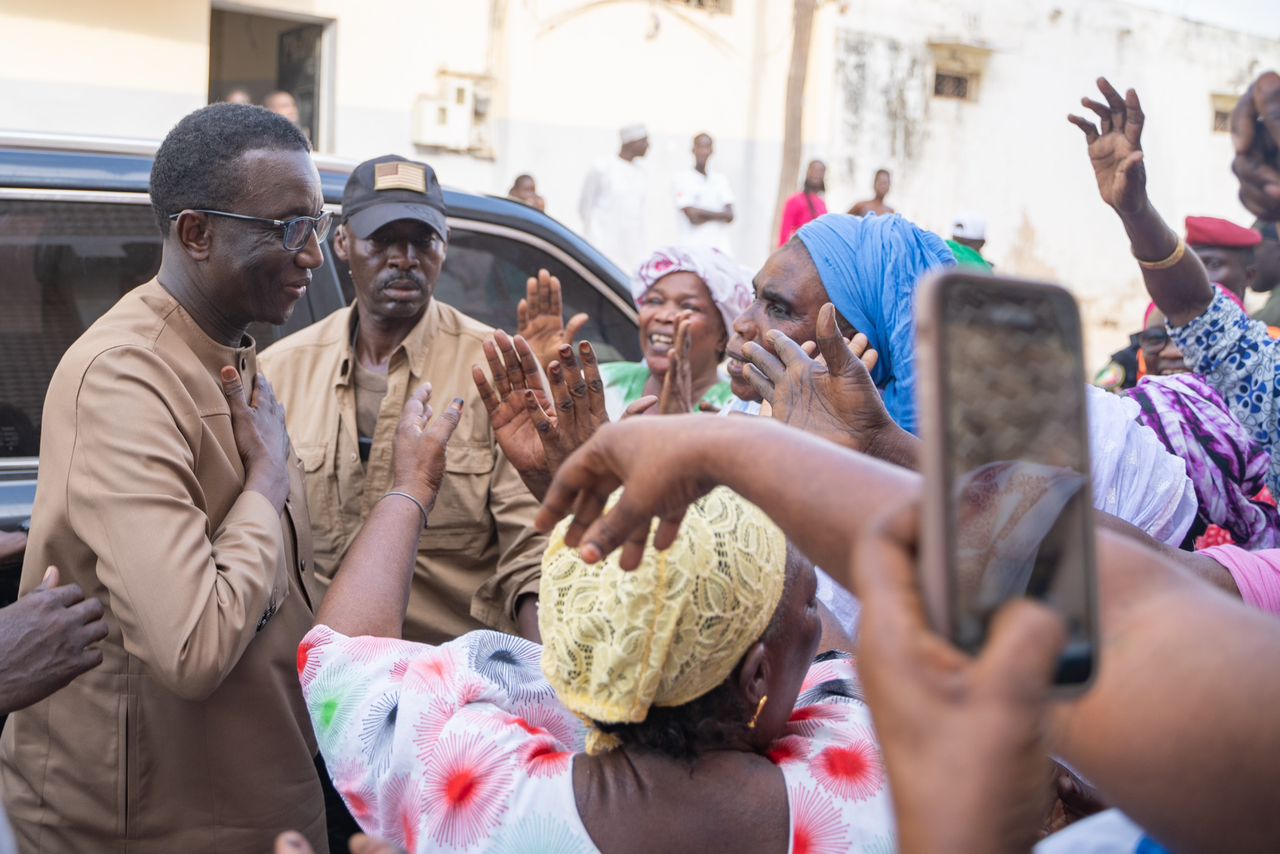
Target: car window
484,277
62,265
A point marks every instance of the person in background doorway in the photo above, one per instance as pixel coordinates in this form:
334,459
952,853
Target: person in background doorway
1267,263
524,190
238,95
704,201
1226,250
284,104
612,202
882,185
806,205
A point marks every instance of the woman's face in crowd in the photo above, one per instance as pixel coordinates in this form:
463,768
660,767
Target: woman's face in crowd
659,308
789,295
1158,350
791,646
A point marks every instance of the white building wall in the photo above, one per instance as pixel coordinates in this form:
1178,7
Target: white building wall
566,74
1011,156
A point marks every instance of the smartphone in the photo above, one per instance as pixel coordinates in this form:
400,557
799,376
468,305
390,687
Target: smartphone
1008,508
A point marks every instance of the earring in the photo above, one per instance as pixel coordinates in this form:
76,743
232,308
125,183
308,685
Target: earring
759,709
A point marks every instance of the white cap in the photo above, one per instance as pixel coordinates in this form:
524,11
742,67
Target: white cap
970,227
633,133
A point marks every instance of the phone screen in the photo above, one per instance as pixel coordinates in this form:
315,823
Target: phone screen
1017,460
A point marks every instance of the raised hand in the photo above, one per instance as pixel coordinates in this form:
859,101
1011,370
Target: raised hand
540,319
943,716
535,435
831,396
48,639
418,450
677,385
261,437
578,405
1115,147
514,368
1255,131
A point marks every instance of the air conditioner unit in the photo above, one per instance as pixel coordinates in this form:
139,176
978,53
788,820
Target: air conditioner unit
446,119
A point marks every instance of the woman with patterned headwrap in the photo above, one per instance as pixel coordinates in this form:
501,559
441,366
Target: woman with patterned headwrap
688,297
678,706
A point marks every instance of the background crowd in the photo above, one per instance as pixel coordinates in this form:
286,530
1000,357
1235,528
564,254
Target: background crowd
461,590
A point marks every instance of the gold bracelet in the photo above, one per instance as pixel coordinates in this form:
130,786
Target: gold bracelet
1174,258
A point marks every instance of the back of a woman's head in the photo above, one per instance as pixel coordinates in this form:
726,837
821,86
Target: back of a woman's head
627,650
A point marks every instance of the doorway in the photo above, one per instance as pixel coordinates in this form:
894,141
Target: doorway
260,55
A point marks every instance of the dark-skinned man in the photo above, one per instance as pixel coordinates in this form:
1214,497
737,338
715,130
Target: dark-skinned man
1226,250
192,735
344,381
704,201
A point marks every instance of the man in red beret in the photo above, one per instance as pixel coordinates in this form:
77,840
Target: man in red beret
1225,249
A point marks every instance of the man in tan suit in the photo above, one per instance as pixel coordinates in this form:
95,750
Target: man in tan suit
344,381
192,735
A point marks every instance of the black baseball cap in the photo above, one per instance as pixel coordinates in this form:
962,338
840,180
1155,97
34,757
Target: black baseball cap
389,188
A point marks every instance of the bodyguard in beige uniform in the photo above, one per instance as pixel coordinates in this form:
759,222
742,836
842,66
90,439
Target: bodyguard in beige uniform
192,530
344,381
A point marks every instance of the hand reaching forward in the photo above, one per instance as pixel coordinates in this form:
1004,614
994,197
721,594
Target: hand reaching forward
261,437
626,452
418,450
1255,130
535,436
942,716
677,384
47,637
1115,147
540,319
831,396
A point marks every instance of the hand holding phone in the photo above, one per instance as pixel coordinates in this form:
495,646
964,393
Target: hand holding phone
1008,511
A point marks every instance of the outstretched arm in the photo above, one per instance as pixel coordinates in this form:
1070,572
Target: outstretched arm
667,463
1179,287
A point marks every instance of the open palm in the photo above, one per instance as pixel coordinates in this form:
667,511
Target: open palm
540,319
1115,147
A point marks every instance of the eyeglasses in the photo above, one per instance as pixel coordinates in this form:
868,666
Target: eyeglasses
1150,339
295,232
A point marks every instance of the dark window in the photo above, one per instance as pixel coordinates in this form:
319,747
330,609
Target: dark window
485,278
62,265
950,85
1221,121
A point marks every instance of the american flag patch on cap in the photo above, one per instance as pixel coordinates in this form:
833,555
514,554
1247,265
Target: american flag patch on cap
400,176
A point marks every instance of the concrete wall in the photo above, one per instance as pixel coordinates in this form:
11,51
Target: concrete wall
86,66
1011,155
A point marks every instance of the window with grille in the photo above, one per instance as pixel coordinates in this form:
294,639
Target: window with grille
951,86
1221,121
705,5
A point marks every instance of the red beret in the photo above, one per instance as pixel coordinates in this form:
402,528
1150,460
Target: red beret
1211,231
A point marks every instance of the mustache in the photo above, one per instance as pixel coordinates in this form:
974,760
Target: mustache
397,278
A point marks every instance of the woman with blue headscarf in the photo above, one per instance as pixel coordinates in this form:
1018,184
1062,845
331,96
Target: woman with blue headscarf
868,267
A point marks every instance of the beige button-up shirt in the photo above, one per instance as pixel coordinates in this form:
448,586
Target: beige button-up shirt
192,735
480,552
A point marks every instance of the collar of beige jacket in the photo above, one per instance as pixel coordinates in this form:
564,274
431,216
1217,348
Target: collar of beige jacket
414,346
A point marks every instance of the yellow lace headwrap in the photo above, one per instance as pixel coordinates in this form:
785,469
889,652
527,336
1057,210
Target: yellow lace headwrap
616,642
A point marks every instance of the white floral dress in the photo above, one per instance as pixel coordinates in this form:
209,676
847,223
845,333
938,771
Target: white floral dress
465,747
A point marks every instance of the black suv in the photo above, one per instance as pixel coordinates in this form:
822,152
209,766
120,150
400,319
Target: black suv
77,232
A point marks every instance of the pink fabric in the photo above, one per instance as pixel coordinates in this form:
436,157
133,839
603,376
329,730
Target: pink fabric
796,213
1257,574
